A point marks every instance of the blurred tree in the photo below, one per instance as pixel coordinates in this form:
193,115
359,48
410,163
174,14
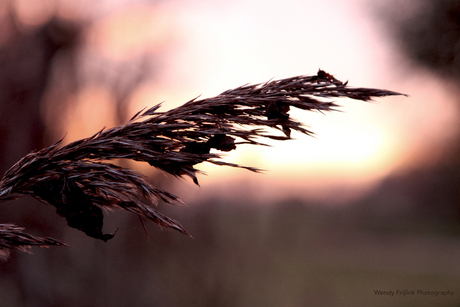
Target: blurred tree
25,67
428,34
27,55
40,65
26,59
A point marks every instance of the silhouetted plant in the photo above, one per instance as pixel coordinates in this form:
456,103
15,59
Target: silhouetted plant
79,181
13,237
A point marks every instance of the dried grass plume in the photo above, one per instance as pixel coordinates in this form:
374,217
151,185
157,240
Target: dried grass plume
79,180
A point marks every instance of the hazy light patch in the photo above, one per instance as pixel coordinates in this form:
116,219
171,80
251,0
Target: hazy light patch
92,109
131,31
33,13
73,10
231,43
220,45
349,149
216,45
151,93
427,121
348,160
269,187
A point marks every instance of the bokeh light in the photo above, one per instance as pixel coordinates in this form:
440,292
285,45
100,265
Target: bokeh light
219,45
370,202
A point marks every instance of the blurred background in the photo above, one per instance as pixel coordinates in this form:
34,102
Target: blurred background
371,203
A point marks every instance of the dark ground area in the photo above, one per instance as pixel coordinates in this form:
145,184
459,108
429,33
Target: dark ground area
286,254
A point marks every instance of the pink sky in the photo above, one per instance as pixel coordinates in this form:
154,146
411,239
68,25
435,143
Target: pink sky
210,46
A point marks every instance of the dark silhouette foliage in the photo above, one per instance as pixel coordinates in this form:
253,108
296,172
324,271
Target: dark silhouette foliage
79,180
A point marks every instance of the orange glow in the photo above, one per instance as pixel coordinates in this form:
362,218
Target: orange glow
214,46
33,13
91,110
130,31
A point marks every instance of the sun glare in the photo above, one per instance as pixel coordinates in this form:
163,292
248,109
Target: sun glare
208,47
233,43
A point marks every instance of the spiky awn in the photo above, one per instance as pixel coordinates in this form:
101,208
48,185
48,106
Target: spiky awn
79,180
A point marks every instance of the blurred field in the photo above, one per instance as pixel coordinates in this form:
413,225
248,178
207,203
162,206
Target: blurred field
288,254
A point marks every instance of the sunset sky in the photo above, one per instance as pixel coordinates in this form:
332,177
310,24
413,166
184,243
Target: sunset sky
207,47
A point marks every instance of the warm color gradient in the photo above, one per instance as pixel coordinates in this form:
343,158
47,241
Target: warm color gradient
210,46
